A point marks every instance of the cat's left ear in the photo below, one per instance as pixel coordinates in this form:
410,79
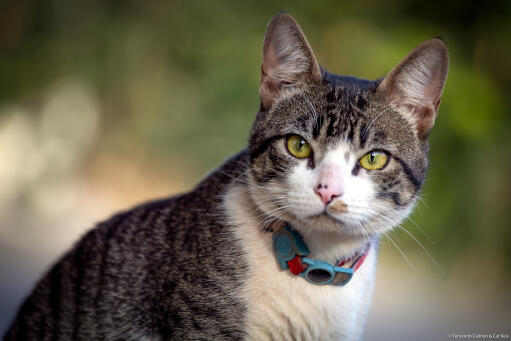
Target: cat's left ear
288,59
415,85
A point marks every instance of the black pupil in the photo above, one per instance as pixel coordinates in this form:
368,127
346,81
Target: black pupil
373,155
319,275
301,143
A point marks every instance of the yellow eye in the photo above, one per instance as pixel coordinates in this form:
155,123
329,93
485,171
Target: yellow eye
298,147
374,160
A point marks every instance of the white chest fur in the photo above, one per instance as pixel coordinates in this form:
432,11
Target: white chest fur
282,306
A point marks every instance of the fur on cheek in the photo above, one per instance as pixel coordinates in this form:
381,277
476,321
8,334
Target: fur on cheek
301,197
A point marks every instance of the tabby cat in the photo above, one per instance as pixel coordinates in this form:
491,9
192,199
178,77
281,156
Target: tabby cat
334,161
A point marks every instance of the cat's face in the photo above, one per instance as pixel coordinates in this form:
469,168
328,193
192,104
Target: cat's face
327,187
336,153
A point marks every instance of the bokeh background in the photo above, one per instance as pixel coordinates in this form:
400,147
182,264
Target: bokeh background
105,104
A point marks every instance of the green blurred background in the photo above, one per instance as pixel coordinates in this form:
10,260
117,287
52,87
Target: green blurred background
104,104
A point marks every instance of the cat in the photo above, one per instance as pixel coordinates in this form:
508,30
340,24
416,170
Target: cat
332,163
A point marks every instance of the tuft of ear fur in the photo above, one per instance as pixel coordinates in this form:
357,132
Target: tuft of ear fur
415,85
288,59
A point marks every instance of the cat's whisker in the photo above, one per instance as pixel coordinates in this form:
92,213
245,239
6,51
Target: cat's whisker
275,211
273,202
273,198
401,252
421,230
238,179
423,201
420,209
397,247
375,226
279,211
418,242
425,250
266,218
360,225
270,220
382,216
269,188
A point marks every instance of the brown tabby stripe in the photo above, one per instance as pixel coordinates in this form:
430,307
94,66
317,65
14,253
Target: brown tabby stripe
409,173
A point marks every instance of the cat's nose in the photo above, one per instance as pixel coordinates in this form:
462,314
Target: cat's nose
328,192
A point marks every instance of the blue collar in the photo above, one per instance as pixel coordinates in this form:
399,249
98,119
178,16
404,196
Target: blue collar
291,253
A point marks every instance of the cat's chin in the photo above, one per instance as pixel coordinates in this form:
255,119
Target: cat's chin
325,222
325,219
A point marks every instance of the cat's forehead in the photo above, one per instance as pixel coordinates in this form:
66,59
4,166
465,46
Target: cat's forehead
331,113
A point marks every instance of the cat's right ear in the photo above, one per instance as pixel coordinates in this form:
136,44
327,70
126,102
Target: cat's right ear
415,85
288,59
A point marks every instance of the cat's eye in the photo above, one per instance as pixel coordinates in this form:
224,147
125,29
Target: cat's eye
298,147
374,160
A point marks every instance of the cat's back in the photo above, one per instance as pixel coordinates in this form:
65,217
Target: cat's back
168,267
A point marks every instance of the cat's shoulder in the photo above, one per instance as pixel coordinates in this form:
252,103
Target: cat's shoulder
163,219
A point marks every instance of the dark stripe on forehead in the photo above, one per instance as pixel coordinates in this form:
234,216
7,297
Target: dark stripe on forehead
361,103
331,126
408,171
344,124
351,128
331,96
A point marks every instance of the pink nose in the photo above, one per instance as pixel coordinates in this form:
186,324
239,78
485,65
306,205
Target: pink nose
327,193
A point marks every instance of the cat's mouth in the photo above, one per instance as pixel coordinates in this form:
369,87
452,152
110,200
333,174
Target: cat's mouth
327,221
329,212
325,217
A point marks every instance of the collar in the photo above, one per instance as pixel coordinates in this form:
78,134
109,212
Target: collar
291,252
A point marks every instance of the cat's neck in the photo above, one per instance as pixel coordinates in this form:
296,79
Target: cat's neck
331,246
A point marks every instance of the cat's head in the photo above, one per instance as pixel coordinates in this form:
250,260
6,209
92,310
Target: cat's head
341,154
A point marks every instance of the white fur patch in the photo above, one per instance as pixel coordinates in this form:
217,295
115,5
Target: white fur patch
282,306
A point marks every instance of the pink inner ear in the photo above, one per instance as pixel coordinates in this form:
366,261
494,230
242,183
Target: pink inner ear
417,82
271,61
269,86
425,108
287,59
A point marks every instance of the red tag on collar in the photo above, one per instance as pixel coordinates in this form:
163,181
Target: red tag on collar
296,266
361,259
